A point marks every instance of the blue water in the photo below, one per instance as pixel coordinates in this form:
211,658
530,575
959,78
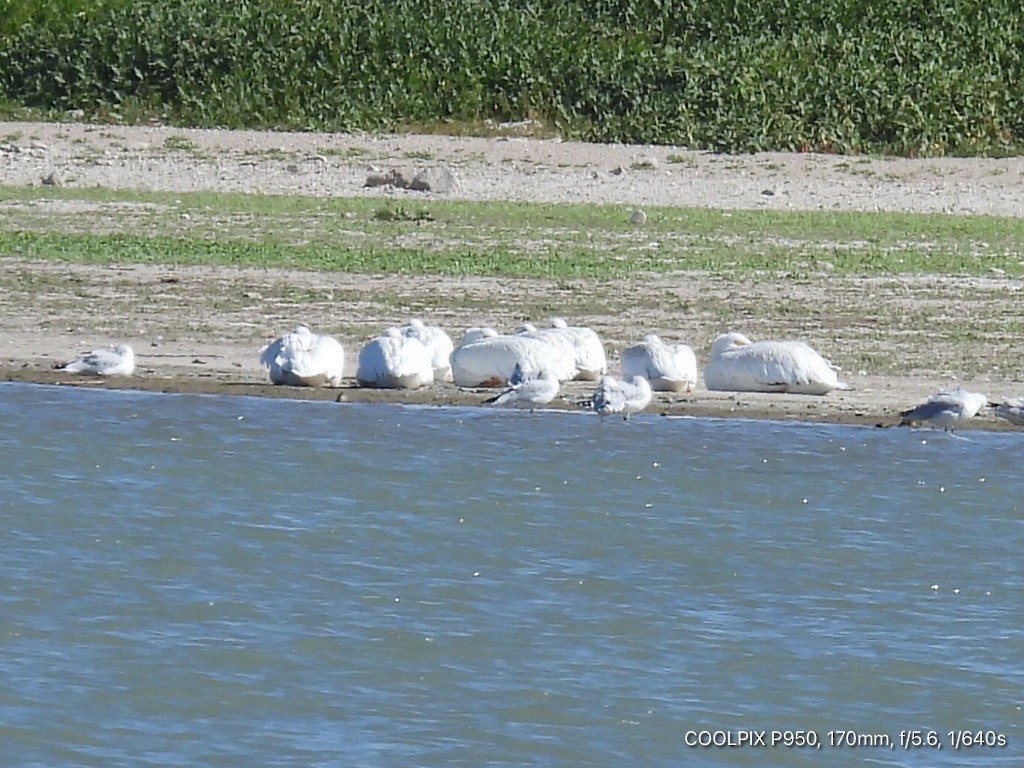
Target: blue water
195,580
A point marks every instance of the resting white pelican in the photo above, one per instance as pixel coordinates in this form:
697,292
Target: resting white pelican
438,342
523,392
304,359
625,397
668,367
944,409
115,361
1012,410
486,359
394,360
739,365
580,342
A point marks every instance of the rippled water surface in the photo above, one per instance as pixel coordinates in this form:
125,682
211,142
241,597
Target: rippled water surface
194,581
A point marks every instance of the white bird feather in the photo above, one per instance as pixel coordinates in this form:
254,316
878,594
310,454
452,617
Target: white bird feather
945,409
304,359
1012,410
395,360
668,367
115,361
737,364
528,392
625,397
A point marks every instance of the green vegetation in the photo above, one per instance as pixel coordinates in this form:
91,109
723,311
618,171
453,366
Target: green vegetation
368,235
910,77
17,13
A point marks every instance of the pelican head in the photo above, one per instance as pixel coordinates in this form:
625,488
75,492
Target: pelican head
728,341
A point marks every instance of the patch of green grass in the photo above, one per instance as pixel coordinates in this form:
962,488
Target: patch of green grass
179,142
344,152
401,213
494,238
676,158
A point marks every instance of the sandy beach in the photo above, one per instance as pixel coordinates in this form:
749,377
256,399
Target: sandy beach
200,329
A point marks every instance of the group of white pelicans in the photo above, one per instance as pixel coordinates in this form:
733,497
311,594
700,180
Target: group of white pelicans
530,365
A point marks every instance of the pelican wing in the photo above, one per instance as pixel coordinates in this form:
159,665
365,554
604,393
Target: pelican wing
491,360
769,366
669,368
438,342
395,361
304,358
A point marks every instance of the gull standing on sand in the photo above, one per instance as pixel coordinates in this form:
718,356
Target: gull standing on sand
116,361
527,392
739,365
1012,410
625,397
668,367
944,409
304,359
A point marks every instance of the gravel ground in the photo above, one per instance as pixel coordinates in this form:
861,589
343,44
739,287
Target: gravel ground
187,341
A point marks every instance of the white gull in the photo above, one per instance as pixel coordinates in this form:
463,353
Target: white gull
528,392
625,397
944,409
1012,410
115,361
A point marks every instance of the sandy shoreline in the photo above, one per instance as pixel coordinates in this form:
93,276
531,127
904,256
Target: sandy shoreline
200,329
838,408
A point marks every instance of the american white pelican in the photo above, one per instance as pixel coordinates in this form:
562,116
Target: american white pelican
944,409
668,367
394,360
116,361
304,359
475,334
524,392
582,343
438,342
739,365
486,359
625,397
1012,410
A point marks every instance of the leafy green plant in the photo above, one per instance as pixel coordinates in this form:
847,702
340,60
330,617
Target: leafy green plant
803,75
